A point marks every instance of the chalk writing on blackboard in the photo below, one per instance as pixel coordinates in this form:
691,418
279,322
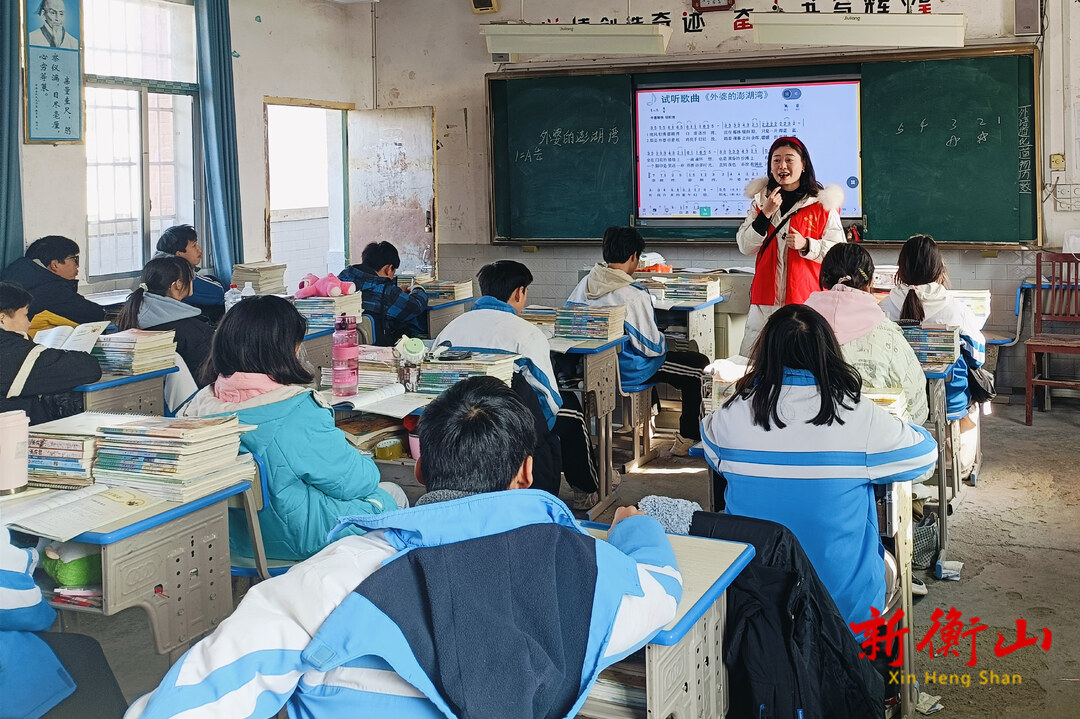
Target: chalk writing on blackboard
953,141
560,137
1023,132
533,154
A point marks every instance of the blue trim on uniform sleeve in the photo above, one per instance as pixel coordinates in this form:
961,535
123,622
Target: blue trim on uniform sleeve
672,586
776,457
645,341
926,445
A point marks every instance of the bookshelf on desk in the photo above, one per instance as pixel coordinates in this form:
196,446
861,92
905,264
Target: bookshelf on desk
139,393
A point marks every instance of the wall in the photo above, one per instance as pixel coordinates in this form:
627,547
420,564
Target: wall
301,239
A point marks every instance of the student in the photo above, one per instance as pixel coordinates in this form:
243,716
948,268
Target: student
449,610
207,292
315,475
871,342
791,224
920,296
645,358
52,674
493,324
49,272
158,304
32,378
799,447
395,312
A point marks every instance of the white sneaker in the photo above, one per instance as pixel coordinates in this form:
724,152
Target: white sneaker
918,587
681,446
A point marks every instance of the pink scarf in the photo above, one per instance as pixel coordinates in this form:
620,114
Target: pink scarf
242,386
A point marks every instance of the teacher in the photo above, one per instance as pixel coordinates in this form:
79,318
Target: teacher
792,223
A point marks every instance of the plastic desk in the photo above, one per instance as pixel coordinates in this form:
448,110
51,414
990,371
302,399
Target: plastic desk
700,324
318,346
440,314
138,393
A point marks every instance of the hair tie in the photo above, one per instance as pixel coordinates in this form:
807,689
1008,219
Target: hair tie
845,278
143,287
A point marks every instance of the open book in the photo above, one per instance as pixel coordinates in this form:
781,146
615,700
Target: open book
63,515
389,401
81,338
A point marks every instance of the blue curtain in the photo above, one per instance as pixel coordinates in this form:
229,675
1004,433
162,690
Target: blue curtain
11,219
221,167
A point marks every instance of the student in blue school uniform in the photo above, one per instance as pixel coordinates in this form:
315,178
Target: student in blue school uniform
493,324
395,312
485,600
315,474
799,446
645,359
207,292
921,296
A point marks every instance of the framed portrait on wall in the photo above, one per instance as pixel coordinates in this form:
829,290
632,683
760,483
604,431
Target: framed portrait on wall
53,90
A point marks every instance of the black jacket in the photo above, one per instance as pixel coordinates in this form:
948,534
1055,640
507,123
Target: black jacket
787,649
47,394
193,336
547,454
52,292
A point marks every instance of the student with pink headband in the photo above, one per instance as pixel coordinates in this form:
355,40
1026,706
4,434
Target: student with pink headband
791,224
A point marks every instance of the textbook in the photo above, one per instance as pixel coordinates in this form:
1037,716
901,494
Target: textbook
190,429
690,290
437,375
80,339
444,291
240,468
390,401
267,278
367,429
65,515
61,452
136,351
934,344
590,322
321,311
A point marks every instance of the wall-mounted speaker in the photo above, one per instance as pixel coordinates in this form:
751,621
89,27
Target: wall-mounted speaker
481,7
1027,19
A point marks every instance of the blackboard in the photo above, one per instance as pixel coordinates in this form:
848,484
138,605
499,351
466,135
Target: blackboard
957,186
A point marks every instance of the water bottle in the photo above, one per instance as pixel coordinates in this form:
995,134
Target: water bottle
344,374
248,290
232,297
345,332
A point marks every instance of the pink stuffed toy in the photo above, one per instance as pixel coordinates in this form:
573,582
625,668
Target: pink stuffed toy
329,286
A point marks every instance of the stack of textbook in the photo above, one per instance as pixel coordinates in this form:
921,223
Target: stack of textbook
542,317
934,344
174,459
408,279
441,291
321,311
589,322
691,290
136,351
438,375
267,278
61,452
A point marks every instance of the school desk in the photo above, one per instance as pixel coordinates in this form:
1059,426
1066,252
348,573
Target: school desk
700,324
139,393
318,346
172,559
111,299
601,370
684,667
440,314
948,452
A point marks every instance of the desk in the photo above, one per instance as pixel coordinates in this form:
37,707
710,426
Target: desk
936,375
109,300
439,315
601,371
700,324
684,668
138,393
173,561
319,346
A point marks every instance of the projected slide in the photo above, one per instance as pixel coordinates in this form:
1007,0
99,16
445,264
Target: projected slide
699,147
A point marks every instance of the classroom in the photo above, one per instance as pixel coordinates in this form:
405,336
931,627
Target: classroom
293,133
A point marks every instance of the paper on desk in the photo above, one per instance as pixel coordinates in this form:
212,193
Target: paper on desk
562,344
62,515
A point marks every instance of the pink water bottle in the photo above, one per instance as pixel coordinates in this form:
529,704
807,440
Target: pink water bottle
345,330
344,374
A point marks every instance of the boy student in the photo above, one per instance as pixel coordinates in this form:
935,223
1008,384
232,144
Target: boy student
493,324
49,272
396,312
645,358
448,609
32,378
208,294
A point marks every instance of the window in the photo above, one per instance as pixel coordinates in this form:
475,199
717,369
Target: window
141,129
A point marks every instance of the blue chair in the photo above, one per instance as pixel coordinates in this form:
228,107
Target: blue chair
257,567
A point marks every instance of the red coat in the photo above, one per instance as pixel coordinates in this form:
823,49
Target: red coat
816,219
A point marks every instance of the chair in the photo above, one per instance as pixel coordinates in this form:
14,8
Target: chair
1059,302
637,414
257,567
180,386
366,329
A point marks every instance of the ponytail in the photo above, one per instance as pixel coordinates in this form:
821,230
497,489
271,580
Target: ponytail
912,309
158,275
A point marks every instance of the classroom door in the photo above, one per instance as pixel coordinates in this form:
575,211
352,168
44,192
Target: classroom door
392,183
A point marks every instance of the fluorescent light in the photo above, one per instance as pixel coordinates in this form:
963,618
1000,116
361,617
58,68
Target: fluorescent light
859,29
561,39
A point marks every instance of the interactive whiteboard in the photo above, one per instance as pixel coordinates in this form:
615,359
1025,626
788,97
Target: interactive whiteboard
697,148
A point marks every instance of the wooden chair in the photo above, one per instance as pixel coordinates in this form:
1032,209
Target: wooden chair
1059,303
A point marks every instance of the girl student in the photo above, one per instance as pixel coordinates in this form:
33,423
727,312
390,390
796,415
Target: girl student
799,446
314,474
920,295
871,342
158,304
791,224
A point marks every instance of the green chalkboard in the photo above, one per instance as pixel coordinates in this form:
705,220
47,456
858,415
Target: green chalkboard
565,156
947,148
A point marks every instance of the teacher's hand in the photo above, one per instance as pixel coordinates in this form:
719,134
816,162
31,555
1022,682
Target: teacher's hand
796,241
772,203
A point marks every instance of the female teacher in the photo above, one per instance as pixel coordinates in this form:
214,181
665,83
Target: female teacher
792,223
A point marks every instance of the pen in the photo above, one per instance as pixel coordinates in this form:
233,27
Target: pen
77,602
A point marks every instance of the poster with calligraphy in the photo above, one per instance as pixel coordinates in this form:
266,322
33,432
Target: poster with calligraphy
54,109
